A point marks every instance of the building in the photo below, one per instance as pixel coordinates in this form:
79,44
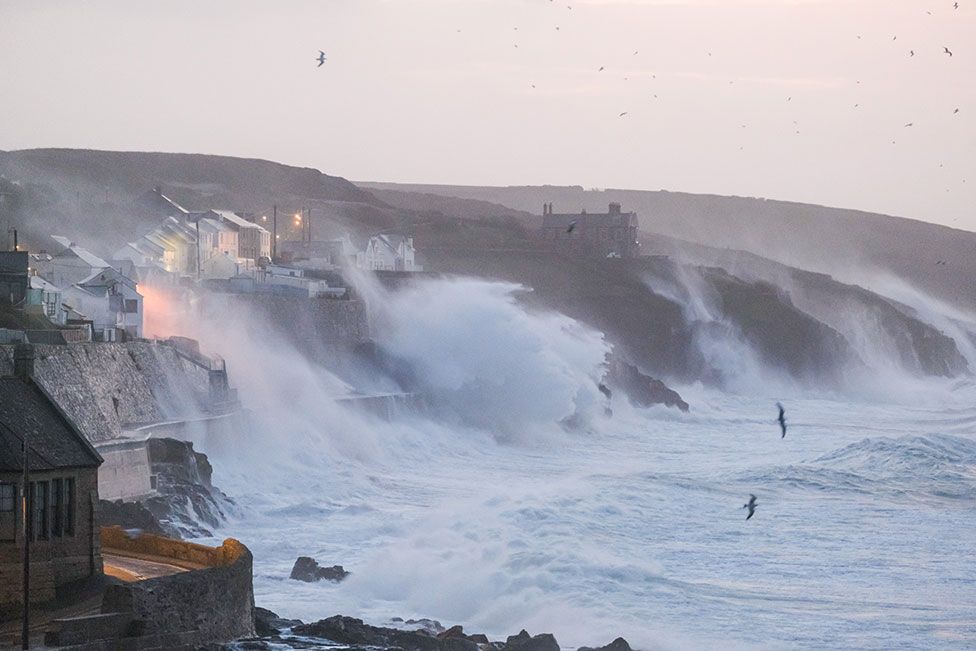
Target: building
70,265
253,240
63,491
45,298
338,253
387,252
14,267
111,301
612,234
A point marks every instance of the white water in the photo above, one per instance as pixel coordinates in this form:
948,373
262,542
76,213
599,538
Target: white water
863,537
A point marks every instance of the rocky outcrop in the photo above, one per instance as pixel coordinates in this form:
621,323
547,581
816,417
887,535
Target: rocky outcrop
620,644
128,515
269,624
525,642
641,390
354,633
308,570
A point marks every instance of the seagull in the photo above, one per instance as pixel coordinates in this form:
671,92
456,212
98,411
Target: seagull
955,5
622,114
911,53
601,69
572,227
751,505
909,124
956,111
321,59
947,50
781,419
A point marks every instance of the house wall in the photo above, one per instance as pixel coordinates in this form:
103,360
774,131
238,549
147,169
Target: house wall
58,560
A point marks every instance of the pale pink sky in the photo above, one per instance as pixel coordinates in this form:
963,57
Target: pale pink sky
405,96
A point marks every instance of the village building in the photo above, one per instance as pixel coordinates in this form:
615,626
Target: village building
44,298
334,254
388,252
111,301
63,491
14,266
612,234
70,265
253,240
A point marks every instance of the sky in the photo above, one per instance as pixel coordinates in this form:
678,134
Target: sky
803,100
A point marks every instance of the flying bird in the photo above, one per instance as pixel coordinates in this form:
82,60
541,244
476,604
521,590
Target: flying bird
601,69
911,53
781,419
571,227
947,50
909,124
956,111
622,114
321,59
751,505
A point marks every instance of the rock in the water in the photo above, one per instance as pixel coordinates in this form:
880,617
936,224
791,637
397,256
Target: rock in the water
525,642
641,390
620,644
269,624
307,569
353,632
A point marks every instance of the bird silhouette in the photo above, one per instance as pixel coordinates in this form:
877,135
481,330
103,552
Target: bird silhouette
751,505
911,53
601,69
622,114
781,419
909,124
321,59
947,50
956,111
571,227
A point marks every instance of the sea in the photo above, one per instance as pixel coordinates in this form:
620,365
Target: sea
517,502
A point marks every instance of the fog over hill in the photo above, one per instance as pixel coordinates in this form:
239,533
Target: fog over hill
850,245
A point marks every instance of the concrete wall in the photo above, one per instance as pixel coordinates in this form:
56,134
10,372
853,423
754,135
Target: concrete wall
125,475
107,387
58,560
215,603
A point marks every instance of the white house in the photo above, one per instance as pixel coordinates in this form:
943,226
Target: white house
387,252
253,240
45,298
111,301
70,265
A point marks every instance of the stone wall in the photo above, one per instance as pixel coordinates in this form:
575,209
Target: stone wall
58,560
214,604
108,387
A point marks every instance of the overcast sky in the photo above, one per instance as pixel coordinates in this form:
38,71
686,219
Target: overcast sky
509,91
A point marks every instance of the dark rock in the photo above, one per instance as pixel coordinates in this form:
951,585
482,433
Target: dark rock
620,644
128,515
525,642
269,624
353,632
453,632
641,390
307,569
479,638
431,626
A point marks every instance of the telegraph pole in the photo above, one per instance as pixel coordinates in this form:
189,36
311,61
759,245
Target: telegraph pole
28,531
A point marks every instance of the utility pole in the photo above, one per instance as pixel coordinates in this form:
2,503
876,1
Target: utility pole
28,532
274,235
198,248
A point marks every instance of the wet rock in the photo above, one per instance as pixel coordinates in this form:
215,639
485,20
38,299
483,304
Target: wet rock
525,642
641,390
620,644
353,632
457,633
269,624
308,570
128,515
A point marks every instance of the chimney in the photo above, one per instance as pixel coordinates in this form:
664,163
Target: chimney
614,208
24,361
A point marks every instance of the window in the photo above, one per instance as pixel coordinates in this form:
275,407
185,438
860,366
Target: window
8,511
56,510
131,306
39,499
69,506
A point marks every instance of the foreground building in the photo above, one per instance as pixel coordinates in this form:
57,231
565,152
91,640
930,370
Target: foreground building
612,234
63,491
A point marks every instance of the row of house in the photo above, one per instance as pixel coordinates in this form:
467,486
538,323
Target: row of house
73,287
381,252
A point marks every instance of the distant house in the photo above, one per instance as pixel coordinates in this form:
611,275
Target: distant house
612,234
331,254
45,298
387,252
112,302
253,240
62,491
218,238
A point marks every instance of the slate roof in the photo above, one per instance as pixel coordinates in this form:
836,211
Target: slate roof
54,441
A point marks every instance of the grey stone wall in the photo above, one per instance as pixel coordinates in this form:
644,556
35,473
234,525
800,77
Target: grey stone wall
106,387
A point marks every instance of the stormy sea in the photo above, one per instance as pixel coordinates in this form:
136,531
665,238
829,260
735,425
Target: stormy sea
517,501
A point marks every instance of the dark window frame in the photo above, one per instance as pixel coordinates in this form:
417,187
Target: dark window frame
70,511
8,511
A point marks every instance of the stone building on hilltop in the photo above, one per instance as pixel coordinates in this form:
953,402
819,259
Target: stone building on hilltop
612,234
63,474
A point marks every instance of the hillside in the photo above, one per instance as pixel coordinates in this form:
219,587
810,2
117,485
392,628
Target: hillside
850,245
97,196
